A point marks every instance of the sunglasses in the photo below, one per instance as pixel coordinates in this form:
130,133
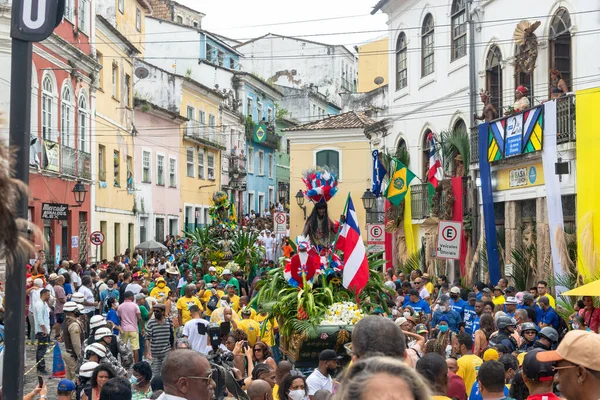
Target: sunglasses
257,349
206,378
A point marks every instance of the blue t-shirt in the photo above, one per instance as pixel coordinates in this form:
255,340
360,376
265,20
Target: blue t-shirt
550,317
459,306
419,306
469,317
478,296
475,395
475,327
452,316
114,318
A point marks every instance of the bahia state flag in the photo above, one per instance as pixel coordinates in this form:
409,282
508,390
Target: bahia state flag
356,264
399,182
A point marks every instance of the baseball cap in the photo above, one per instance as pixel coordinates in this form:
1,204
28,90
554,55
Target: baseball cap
511,300
527,297
53,277
212,269
329,355
486,290
499,288
421,328
160,279
536,370
66,386
455,289
226,271
491,354
511,289
579,347
472,295
246,311
400,321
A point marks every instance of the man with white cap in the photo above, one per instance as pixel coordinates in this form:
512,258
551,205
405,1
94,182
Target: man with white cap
229,279
577,365
73,336
211,276
269,245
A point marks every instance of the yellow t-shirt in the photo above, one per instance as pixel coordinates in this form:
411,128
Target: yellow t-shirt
252,329
468,366
269,336
550,300
160,294
184,304
276,392
498,300
206,298
440,398
235,302
430,288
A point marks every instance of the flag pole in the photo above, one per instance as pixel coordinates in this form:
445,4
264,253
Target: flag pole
344,214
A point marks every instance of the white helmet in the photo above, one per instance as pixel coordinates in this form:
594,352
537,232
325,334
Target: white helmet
77,297
97,321
70,306
87,369
97,349
102,333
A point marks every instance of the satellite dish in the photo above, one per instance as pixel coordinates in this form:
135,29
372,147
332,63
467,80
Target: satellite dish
142,72
378,81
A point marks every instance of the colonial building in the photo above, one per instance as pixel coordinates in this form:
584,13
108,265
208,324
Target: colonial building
169,10
62,102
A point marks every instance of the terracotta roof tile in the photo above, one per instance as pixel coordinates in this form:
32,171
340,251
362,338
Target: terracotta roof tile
349,120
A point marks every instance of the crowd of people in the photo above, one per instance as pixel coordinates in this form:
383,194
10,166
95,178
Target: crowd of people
145,329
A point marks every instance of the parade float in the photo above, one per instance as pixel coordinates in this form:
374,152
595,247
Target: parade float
305,294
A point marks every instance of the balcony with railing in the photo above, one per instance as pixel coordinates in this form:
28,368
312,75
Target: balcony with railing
237,166
68,160
565,126
419,199
63,160
204,134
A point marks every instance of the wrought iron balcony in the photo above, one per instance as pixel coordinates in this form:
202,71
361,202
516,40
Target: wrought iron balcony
237,166
84,164
68,161
420,205
565,125
204,134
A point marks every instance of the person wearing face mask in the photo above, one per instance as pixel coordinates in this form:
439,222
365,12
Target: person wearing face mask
293,386
444,310
161,291
456,303
321,378
140,381
160,338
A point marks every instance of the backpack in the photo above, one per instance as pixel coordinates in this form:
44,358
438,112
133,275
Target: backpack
96,290
563,328
105,302
213,303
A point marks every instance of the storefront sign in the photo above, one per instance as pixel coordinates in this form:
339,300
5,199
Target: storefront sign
55,211
449,235
375,238
525,176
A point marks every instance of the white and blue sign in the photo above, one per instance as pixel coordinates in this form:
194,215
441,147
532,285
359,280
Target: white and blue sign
57,258
514,135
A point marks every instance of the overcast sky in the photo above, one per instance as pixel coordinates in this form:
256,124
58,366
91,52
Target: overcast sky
243,19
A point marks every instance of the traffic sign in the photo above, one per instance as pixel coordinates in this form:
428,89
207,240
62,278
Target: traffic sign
279,223
97,238
375,238
449,236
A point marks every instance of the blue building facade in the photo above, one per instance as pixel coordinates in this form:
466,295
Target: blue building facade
218,52
259,99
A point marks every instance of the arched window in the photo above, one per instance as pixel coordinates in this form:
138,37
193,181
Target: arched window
82,112
459,29
66,118
525,79
493,74
427,43
425,158
459,126
401,62
328,158
560,44
47,111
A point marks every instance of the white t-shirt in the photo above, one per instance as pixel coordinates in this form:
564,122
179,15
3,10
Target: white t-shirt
197,342
269,242
134,288
424,293
162,267
88,297
75,280
316,381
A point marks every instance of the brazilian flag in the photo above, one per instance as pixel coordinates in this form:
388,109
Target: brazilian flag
260,133
399,182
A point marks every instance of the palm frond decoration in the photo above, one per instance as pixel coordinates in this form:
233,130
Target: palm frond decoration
14,244
202,242
520,268
412,263
456,142
244,248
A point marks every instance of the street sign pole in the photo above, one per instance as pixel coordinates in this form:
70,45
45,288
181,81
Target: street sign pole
30,22
20,111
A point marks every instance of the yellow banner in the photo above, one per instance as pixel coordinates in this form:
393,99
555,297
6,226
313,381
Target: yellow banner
519,177
588,183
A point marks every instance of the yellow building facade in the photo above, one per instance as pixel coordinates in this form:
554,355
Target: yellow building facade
339,143
114,142
372,63
202,144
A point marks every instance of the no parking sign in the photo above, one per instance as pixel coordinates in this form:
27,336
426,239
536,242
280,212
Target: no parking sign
375,238
449,235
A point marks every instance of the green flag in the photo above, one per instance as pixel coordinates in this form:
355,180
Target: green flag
260,133
399,182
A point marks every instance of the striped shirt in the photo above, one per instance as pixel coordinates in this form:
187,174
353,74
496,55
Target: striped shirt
159,335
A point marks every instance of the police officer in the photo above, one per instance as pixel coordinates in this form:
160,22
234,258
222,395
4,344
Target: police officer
73,333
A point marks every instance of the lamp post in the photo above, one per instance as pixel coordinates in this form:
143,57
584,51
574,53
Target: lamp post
79,192
368,199
300,201
282,191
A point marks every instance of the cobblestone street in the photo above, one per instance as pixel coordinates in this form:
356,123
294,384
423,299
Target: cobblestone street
30,377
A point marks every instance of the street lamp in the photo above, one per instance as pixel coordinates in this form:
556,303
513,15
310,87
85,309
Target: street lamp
79,192
300,201
282,192
368,199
